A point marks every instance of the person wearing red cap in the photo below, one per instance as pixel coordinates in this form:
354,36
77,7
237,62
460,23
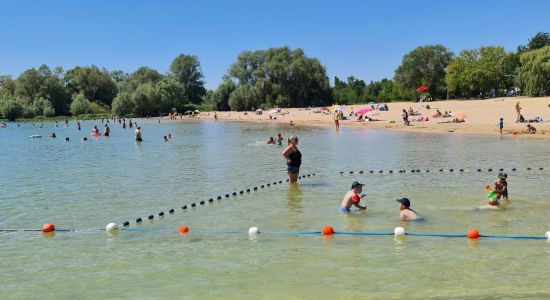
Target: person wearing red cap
353,198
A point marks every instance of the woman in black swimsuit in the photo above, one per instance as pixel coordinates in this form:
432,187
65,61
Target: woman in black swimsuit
293,159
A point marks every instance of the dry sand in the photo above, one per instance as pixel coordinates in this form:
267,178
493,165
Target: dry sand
482,116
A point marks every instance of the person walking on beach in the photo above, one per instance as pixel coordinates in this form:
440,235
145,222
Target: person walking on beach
518,111
293,159
107,130
501,125
337,119
138,134
405,117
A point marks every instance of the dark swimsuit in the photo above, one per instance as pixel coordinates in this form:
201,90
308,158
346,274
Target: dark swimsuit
295,162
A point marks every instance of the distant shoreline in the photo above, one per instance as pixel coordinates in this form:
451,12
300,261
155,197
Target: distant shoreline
482,117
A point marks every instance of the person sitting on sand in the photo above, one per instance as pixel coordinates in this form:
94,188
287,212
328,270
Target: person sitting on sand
353,198
271,141
411,111
501,190
291,123
446,115
438,114
531,129
406,213
521,119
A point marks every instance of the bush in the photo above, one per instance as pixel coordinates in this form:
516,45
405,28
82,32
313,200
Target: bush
80,105
11,108
122,104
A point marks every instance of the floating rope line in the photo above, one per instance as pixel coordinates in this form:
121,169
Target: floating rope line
171,211
254,232
452,170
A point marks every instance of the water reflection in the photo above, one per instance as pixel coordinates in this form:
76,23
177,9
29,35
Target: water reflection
294,198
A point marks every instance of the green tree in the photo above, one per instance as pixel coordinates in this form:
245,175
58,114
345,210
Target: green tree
169,92
123,104
534,73
187,70
482,71
11,107
219,99
540,40
146,100
93,83
279,76
80,105
425,65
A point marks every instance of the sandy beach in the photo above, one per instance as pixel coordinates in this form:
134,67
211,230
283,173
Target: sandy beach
482,116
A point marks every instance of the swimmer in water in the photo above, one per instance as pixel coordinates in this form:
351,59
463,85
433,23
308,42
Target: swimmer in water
84,139
406,213
138,134
95,130
169,136
279,139
53,135
66,139
353,197
106,130
165,139
501,190
271,141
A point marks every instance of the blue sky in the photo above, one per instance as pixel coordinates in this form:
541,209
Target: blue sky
366,39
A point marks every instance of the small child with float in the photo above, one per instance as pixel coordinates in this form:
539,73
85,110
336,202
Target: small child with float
500,190
352,198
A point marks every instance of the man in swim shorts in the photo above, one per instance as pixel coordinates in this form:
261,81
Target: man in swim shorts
353,198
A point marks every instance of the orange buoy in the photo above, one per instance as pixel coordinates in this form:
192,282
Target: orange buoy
48,227
327,230
473,234
183,229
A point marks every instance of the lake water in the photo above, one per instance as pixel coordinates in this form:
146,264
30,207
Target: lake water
85,185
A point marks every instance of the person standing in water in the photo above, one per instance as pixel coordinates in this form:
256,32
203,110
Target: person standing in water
337,119
107,130
138,134
95,130
293,159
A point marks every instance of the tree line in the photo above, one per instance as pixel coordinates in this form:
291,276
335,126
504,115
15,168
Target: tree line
275,77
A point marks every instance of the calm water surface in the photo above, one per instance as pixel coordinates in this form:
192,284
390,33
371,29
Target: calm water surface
86,185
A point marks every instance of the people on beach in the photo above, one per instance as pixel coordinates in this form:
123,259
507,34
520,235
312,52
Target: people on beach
291,123
271,141
531,129
406,213
337,119
405,116
500,190
518,111
438,114
293,159
352,198
501,125
138,134
106,130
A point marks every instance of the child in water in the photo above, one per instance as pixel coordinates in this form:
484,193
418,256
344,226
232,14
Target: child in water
405,211
353,198
501,190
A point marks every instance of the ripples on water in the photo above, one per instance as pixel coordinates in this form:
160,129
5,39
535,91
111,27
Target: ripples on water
88,184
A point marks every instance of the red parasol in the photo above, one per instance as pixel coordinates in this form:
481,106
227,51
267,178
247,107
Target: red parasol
422,88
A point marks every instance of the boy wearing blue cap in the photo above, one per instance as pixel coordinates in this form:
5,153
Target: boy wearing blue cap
353,198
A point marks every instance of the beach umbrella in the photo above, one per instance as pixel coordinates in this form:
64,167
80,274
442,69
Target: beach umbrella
422,88
339,108
459,115
273,111
371,102
363,111
333,106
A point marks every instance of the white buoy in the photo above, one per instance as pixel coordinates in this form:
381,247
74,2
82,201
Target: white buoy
399,231
111,227
253,231
547,235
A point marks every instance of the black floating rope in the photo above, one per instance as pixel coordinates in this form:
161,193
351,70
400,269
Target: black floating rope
219,197
450,170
